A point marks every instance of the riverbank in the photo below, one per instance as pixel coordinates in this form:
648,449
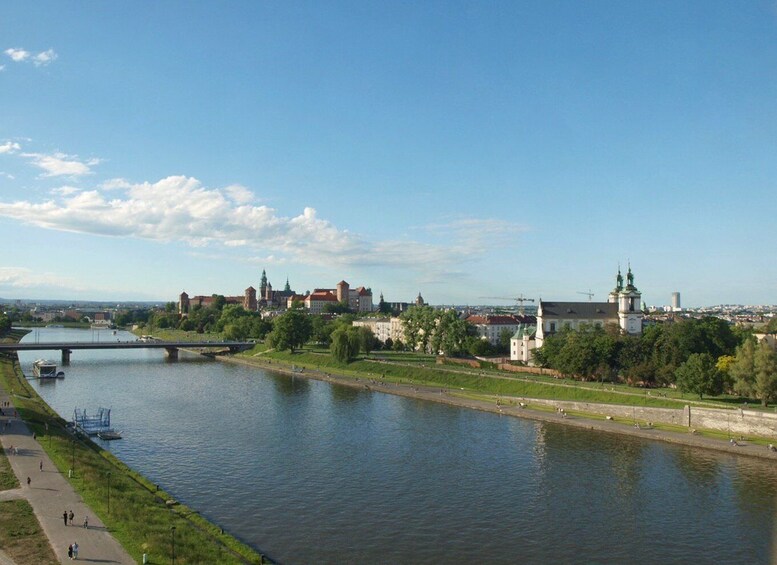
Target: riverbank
141,516
513,406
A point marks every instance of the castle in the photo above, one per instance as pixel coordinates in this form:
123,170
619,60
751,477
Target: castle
357,299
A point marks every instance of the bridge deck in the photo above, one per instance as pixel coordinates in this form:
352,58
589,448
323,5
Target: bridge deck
73,345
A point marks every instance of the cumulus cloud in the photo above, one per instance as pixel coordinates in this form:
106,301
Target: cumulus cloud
180,209
9,147
60,164
19,55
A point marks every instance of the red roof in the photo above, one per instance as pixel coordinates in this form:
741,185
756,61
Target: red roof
494,320
323,297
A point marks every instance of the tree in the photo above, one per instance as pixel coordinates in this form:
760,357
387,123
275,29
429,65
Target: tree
699,375
419,324
291,330
765,368
321,330
742,370
345,343
449,334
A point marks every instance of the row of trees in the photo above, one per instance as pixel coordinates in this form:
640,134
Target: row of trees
705,357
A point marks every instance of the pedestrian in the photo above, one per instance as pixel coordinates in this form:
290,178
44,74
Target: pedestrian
75,550
41,466
71,517
86,523
29,480
70,551
64,516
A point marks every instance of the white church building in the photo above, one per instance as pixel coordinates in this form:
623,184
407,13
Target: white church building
623,307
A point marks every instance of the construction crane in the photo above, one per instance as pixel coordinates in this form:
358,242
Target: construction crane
589,294
520,299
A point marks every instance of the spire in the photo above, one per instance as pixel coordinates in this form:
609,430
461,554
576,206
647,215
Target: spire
619,280
287,288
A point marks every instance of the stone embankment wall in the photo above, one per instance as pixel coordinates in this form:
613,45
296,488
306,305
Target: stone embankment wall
739,422
744,422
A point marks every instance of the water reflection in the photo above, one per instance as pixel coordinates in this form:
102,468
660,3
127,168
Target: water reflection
315,473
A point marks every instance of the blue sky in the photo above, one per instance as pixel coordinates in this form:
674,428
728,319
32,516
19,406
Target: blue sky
459,149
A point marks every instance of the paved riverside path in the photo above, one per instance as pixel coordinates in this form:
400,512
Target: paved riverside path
50,494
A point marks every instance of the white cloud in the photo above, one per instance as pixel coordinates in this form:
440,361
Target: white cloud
19,55
9,147
44,58
239,194
2,68
60,164
113,184
222,222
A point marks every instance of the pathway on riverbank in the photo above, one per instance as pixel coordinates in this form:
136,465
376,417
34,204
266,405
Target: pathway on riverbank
50,494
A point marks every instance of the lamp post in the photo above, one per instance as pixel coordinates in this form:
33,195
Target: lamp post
73,455
172,536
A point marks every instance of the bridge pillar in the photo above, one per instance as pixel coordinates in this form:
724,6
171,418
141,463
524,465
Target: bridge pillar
172,352
66,356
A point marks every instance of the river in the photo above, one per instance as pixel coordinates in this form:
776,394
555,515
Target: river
310,472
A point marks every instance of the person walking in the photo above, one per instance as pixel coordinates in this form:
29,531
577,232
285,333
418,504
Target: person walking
64,517
75,550
86,523
29,480
70,551
41,466
71,517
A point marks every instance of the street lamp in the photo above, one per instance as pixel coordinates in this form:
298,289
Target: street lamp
172,535
73,452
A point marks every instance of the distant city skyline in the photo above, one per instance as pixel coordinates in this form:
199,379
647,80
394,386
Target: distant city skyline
458,149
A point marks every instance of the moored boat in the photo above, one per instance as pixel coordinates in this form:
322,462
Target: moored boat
44,369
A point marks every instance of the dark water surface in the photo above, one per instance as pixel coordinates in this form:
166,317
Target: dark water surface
310,472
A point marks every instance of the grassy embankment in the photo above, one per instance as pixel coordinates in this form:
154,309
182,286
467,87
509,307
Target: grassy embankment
139,516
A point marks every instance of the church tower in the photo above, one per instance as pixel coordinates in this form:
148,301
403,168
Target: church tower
263,285
613,296
630,306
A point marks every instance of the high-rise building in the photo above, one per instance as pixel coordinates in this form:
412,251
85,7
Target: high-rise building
676,302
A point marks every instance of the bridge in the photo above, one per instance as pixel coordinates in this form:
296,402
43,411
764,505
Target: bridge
171,347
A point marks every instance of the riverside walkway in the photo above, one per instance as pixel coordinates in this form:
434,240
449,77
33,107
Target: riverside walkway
50,494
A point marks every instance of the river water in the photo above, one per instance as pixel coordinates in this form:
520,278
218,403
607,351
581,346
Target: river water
310,472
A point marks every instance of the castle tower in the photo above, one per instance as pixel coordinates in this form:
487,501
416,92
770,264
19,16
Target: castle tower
183,304
630,306
249,301
419,301
342,292
268,293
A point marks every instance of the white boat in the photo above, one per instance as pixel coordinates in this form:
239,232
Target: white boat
44,369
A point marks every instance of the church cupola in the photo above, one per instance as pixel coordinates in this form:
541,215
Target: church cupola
630,306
